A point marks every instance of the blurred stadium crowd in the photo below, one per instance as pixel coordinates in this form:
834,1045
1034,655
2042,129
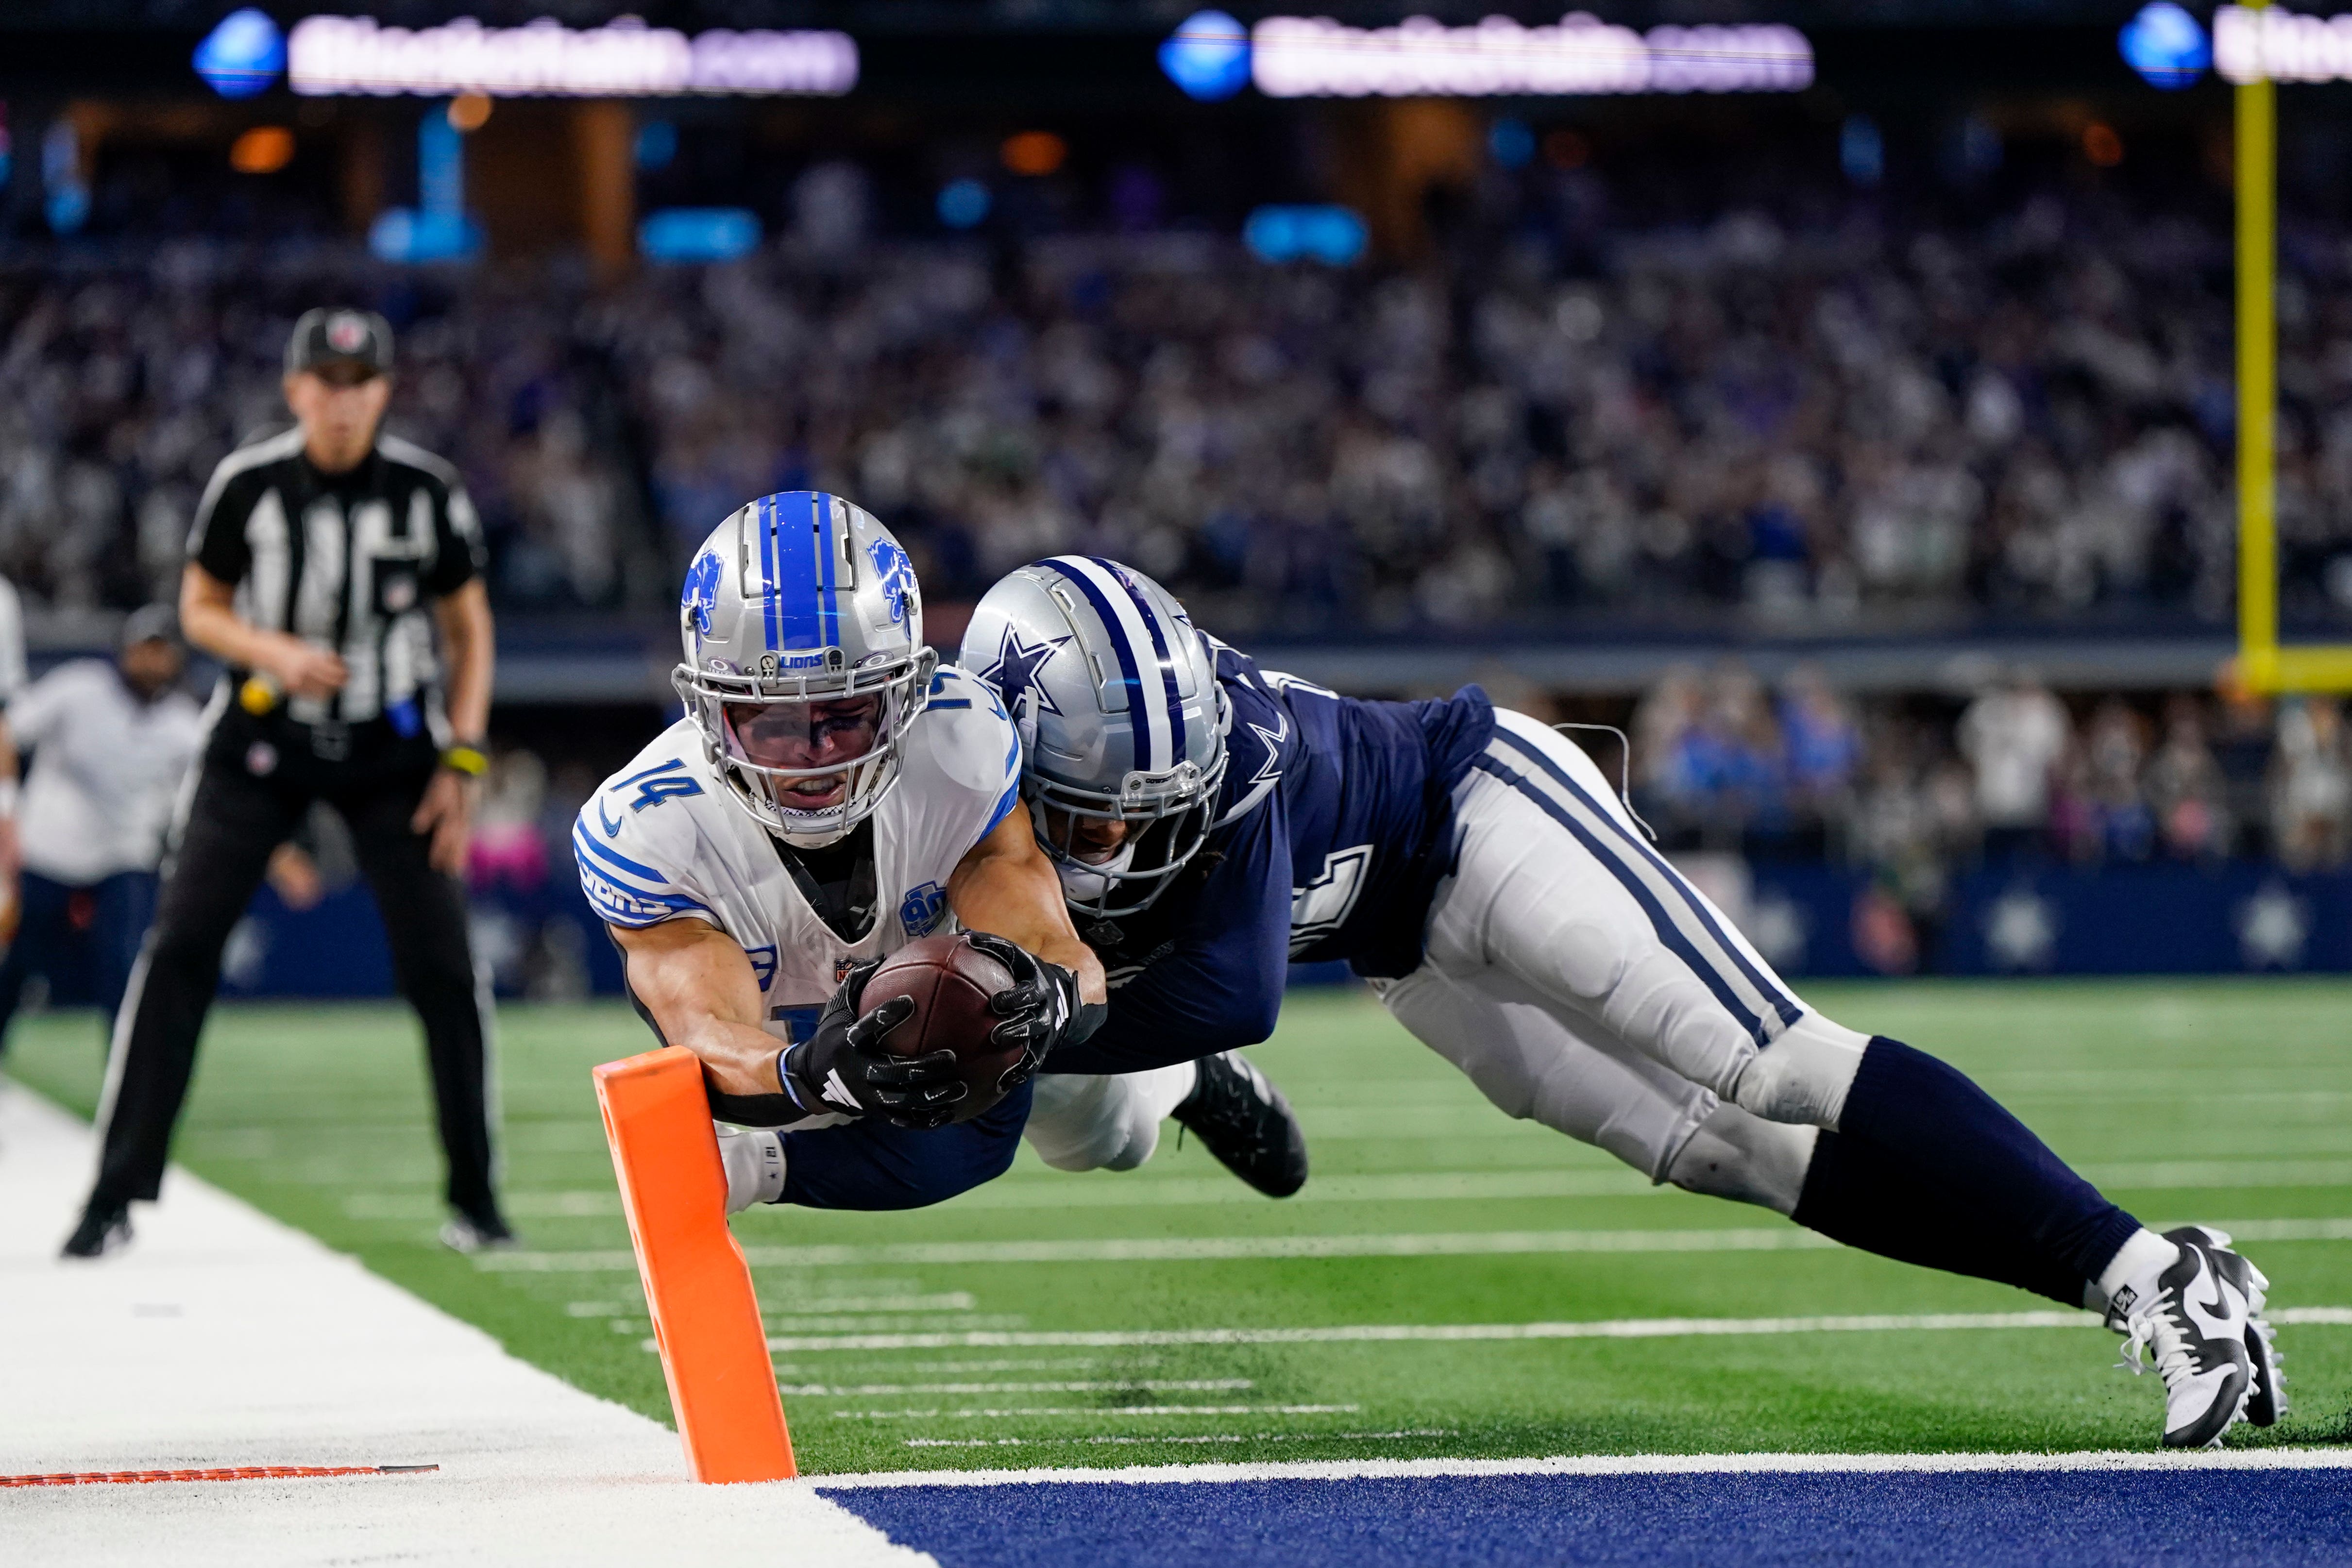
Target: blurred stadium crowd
1815,418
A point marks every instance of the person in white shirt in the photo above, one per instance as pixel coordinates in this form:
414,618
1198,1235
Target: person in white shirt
111,743
2014,734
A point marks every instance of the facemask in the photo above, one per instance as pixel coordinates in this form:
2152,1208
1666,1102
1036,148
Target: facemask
1083,884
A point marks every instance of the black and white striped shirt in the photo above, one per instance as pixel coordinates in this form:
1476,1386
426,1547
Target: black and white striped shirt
350,562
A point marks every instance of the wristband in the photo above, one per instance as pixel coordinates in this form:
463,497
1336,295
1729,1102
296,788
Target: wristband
466,759
8,790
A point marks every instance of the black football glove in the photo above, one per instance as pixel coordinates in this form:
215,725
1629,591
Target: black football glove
1040,1010
841,1069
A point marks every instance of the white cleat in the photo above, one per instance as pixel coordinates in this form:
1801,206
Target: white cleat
2194,1316
2266,1401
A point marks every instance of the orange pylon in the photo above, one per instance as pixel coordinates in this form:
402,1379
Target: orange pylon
714,1348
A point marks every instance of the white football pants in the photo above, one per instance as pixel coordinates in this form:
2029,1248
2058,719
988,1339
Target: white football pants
1082,1123
1582,982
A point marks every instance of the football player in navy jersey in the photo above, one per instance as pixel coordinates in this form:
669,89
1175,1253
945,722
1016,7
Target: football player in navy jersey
1212,823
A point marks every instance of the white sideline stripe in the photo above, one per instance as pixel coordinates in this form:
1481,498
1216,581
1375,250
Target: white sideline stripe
221,1337
1605,1328
2335,1458
1200,1249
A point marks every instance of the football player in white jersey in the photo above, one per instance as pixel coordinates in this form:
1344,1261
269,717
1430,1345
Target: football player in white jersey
830,795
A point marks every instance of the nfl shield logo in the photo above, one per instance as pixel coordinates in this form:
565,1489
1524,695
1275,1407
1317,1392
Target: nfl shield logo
345,332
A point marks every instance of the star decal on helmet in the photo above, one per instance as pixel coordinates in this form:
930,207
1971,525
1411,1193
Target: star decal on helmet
1016,666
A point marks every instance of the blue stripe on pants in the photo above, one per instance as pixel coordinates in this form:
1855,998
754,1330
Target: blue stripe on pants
1782,1003
1661,921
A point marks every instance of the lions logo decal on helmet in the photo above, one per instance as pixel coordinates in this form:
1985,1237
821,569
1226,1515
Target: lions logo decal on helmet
702,589
897,574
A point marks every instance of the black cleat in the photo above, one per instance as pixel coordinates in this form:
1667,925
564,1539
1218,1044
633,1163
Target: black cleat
105,1228
1247,1124
485,1231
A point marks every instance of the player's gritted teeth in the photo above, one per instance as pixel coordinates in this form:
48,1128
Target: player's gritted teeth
794,735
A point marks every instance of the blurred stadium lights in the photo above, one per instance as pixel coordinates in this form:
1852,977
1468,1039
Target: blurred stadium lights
1302,56
67,206
2165,44
1333,236
1034,152
2273,45
2101,145
1862,149
469,112
243,55
697,234
437,228
623,58
1208,56
963,204
263,149
1510,144
656,145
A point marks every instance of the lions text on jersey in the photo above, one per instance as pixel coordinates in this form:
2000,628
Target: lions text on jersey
663,840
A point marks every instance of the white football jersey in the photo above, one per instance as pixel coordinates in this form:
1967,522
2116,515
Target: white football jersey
662,840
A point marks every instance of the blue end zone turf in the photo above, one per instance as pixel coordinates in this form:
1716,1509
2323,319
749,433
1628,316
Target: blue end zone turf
1979,1520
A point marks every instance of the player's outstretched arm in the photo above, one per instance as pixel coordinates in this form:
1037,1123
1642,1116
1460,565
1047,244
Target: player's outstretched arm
698,986
1006,887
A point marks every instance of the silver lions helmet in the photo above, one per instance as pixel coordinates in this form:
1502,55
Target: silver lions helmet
1121,718
805,660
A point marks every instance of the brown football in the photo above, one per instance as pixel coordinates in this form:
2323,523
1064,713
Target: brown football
949,982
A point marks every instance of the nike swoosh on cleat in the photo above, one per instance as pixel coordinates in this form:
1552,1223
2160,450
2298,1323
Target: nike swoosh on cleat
2220,1293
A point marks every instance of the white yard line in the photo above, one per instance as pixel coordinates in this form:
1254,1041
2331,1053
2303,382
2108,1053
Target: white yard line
1607,1328
1056,1191
1210,1249
223,1338
2332,1458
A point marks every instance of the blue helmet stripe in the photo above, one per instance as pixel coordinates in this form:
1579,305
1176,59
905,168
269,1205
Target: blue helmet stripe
798,593
828,606
1129,675
1179,741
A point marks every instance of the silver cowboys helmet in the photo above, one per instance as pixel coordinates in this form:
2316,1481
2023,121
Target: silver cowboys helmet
1122,719
805,660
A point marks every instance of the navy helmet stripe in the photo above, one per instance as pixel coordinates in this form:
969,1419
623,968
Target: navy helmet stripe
1671,935
1119,646
1180,743
1783,1004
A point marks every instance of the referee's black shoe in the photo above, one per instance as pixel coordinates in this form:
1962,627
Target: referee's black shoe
1247,1124
105,1228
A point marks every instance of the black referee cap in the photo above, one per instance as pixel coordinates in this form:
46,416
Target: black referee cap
338,337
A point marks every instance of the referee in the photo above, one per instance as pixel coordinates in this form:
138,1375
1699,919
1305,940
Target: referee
320,565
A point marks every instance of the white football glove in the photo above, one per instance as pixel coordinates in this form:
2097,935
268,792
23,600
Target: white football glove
754,1161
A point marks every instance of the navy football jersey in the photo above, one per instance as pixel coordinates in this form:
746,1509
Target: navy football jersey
1335,825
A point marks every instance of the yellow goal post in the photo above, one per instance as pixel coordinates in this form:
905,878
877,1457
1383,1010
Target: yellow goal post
2262,664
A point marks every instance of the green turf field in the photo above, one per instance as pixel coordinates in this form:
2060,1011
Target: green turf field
896,1353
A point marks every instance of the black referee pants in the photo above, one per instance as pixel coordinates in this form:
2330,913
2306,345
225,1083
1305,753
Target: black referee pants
259,777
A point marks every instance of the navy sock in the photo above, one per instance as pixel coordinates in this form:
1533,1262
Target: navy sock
1856,1194
1921,1116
